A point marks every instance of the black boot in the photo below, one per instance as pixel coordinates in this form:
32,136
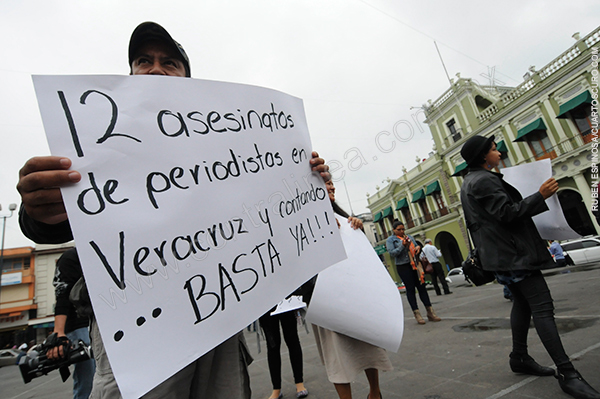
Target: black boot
524,364
573,383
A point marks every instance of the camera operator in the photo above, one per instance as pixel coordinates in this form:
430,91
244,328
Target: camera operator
68,324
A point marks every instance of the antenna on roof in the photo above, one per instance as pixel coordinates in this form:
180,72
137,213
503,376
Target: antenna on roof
347,195
442,60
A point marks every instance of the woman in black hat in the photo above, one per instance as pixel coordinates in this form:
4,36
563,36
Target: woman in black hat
508,243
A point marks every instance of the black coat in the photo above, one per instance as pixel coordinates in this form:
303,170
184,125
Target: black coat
500,223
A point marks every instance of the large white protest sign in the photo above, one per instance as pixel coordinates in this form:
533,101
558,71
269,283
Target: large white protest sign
357,296
197,210
527,178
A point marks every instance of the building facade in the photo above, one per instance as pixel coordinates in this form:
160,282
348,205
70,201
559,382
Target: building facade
551,115
27,298
17,296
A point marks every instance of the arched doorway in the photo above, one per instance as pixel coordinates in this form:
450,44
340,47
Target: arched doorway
575,212
449,247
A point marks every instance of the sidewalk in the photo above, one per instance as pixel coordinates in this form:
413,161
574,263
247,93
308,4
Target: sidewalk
466,354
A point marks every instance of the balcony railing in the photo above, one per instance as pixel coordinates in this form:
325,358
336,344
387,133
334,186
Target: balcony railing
562,147
555,65
433,216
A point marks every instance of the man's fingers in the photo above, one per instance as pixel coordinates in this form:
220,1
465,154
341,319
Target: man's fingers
39,182
46,179
37,164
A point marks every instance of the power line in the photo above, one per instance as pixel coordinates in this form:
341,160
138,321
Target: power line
432,38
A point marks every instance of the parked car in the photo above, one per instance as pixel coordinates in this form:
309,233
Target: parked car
455,272
8,357
583,250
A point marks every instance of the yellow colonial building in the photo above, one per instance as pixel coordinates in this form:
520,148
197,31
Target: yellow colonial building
552,114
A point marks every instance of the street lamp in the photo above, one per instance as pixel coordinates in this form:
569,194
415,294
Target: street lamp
11,208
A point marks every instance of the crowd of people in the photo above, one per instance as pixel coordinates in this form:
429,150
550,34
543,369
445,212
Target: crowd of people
497,218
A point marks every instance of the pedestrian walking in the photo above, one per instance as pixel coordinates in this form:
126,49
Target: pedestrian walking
433,254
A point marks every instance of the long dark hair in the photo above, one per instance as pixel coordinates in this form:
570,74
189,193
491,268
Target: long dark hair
337,209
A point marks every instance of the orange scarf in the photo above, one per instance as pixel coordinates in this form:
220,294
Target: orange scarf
414,260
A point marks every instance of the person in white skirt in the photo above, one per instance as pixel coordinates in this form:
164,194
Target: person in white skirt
345,357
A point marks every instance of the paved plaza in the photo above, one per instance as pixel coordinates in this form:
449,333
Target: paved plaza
465,356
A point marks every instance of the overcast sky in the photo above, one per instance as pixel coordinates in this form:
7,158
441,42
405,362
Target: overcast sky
358,65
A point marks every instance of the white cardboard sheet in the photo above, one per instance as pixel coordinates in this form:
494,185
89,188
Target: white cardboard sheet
357,297
527,178
197,210
292,303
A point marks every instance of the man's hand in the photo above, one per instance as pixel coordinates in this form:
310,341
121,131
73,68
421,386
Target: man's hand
58,352
548,188
39,182
318,165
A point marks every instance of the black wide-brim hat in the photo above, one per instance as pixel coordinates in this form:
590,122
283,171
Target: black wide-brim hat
148,31
475,147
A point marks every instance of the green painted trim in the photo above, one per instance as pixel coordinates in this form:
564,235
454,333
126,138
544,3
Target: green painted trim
583,98
501,146
380,249
532,127
433,187
459,169
377,217
387,212
418,196
403,203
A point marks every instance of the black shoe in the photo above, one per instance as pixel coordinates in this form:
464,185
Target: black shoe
526,365
448,293
573,383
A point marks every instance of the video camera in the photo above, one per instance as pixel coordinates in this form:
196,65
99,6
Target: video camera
37,363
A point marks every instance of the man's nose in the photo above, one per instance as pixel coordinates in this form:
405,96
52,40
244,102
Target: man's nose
156,69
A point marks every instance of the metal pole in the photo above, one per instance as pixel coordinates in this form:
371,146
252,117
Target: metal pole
347,195
2,259
441,59
11,207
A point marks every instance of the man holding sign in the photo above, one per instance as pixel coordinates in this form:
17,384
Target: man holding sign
220,373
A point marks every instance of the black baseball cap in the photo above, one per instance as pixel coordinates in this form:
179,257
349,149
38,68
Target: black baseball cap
147,31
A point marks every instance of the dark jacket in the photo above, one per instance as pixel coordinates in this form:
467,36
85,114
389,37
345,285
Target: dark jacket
67,272
42,233
500,223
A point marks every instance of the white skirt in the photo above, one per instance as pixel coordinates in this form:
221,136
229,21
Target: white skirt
345,357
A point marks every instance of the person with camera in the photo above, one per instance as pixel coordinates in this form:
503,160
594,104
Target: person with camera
222,372
68,326
509,244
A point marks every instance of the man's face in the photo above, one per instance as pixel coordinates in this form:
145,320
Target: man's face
156,58
399,231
